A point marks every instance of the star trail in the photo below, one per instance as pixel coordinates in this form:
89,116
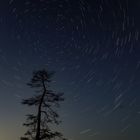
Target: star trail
92,45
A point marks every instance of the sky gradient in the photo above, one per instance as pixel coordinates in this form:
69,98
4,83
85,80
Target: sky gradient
94,48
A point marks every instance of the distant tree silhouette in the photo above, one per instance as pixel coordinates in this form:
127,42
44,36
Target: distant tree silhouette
24,138
45,103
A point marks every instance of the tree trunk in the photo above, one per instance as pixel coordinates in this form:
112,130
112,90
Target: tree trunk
38,122
39,114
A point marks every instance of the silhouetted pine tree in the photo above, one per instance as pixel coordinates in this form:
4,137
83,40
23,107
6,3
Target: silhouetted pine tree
45,102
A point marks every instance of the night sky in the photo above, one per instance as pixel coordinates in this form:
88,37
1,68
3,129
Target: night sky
94,48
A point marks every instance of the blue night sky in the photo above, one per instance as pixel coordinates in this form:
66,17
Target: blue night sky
94,48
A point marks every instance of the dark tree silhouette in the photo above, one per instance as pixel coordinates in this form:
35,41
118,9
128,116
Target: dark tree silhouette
45,103
23,138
